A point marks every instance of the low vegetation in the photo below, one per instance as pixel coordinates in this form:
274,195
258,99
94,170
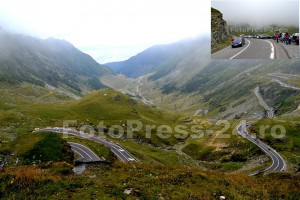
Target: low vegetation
144,182
222,150
221,45
40,164
286,140
50,148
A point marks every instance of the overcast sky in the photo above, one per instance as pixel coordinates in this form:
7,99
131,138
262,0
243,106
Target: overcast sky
115,25
259,12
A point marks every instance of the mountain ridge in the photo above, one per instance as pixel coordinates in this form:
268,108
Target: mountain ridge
49,61
159,59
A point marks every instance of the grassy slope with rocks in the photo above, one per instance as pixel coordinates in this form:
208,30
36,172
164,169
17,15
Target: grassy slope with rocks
56,180
214,85
146,181
225,99
25,113
287,145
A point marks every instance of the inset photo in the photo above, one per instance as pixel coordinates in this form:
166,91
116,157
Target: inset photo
255,29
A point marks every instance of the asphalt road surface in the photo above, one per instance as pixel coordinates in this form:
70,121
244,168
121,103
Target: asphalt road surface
121,153
253,49
278,163
270,113
83,151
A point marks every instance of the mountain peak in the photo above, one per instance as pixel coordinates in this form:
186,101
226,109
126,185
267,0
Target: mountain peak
49,61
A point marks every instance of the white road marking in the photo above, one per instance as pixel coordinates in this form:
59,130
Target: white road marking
74,147
113,147
78,153
221,50
272,56
241,51
84,148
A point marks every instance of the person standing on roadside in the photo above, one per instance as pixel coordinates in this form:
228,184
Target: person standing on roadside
277,36
287,38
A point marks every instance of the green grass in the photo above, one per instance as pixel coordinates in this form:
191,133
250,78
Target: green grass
294,81
106,105
288,145
288,142
284,100
112,107
158,155
149,182
228,166
197,151
219,46
50,148
218,152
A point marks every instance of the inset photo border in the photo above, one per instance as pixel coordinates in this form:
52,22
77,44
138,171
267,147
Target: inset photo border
254,29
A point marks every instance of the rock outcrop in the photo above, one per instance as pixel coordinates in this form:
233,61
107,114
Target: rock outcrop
219,28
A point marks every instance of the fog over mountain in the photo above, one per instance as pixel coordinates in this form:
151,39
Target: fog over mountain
94,23
259,13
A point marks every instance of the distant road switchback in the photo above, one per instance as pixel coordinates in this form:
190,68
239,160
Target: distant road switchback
121,153
269,110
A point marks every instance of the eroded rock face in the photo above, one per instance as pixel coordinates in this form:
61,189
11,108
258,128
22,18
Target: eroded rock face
219,28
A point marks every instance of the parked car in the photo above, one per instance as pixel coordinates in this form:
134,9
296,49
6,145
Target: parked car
295,38
248,36
264,36
238,42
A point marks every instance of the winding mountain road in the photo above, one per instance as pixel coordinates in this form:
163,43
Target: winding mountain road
121,153
254,49
278,163
283,84
83,151
270,112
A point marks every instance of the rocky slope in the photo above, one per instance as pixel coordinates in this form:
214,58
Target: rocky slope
219,28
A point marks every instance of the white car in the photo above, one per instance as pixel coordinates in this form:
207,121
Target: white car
130,159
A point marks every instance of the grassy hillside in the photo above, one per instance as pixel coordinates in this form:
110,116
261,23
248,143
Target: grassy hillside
27,107
161,170
50,148
287,144
146,181
283,100
22,112
225,88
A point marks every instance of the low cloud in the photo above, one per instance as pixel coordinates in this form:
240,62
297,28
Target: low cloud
259,13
